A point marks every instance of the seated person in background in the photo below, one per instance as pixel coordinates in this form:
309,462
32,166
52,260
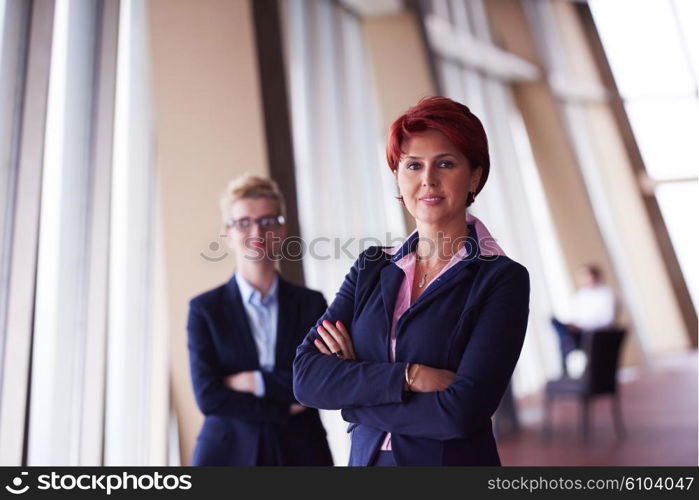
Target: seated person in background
593,308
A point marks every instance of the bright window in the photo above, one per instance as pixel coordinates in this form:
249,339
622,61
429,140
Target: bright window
655,61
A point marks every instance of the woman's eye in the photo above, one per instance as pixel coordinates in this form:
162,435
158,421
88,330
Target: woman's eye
446,164
412,166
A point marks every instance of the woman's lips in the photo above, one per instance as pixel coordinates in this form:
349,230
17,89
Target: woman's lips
432,200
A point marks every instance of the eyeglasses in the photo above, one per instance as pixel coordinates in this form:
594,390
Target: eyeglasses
265,223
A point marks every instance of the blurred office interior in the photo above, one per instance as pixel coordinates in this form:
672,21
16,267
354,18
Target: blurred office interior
121,122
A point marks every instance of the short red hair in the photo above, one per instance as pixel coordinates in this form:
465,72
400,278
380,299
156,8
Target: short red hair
452,119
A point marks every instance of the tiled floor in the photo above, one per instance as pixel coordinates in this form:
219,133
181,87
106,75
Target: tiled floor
659,405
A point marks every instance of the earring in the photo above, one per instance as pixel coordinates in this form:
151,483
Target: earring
399,197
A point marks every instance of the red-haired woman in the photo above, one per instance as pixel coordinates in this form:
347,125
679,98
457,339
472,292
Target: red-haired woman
421,340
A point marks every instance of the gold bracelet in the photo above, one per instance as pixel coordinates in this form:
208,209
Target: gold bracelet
412,379
408,379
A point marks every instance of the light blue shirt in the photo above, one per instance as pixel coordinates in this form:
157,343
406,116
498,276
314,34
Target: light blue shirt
262,315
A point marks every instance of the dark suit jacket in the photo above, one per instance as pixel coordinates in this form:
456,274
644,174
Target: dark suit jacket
472,321
238,424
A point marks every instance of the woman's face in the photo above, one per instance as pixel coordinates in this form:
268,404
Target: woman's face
262,237
434,178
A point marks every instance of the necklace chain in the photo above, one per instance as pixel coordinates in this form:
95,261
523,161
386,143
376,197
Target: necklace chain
422,281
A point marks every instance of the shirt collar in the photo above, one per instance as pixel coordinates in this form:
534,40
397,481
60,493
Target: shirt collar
477,234
250,294
470,250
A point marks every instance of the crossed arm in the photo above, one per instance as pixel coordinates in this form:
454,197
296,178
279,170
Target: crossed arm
372,394
213,389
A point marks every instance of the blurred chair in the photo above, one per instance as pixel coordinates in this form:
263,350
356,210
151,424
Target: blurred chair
602,348
505,418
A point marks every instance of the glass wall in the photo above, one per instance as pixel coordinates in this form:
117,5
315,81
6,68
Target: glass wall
78,329
655,61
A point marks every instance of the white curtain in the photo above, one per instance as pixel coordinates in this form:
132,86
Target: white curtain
345,190
97,389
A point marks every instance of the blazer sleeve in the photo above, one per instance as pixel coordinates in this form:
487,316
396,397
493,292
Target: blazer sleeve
482,377
279,382
327,382
279,386
212,396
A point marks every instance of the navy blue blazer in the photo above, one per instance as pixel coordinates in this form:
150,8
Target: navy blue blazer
238,426
471,320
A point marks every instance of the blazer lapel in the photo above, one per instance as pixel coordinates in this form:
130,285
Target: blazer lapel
286,322
391,278
237,322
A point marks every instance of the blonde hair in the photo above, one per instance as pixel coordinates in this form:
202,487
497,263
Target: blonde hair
250,186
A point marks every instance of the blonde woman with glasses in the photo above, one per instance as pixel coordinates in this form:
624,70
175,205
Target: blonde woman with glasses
242,337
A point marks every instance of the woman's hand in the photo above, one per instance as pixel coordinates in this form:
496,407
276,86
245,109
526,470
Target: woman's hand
241,382
428,379
336,340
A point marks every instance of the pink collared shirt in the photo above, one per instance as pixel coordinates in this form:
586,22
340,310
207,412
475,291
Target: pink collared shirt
407,264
